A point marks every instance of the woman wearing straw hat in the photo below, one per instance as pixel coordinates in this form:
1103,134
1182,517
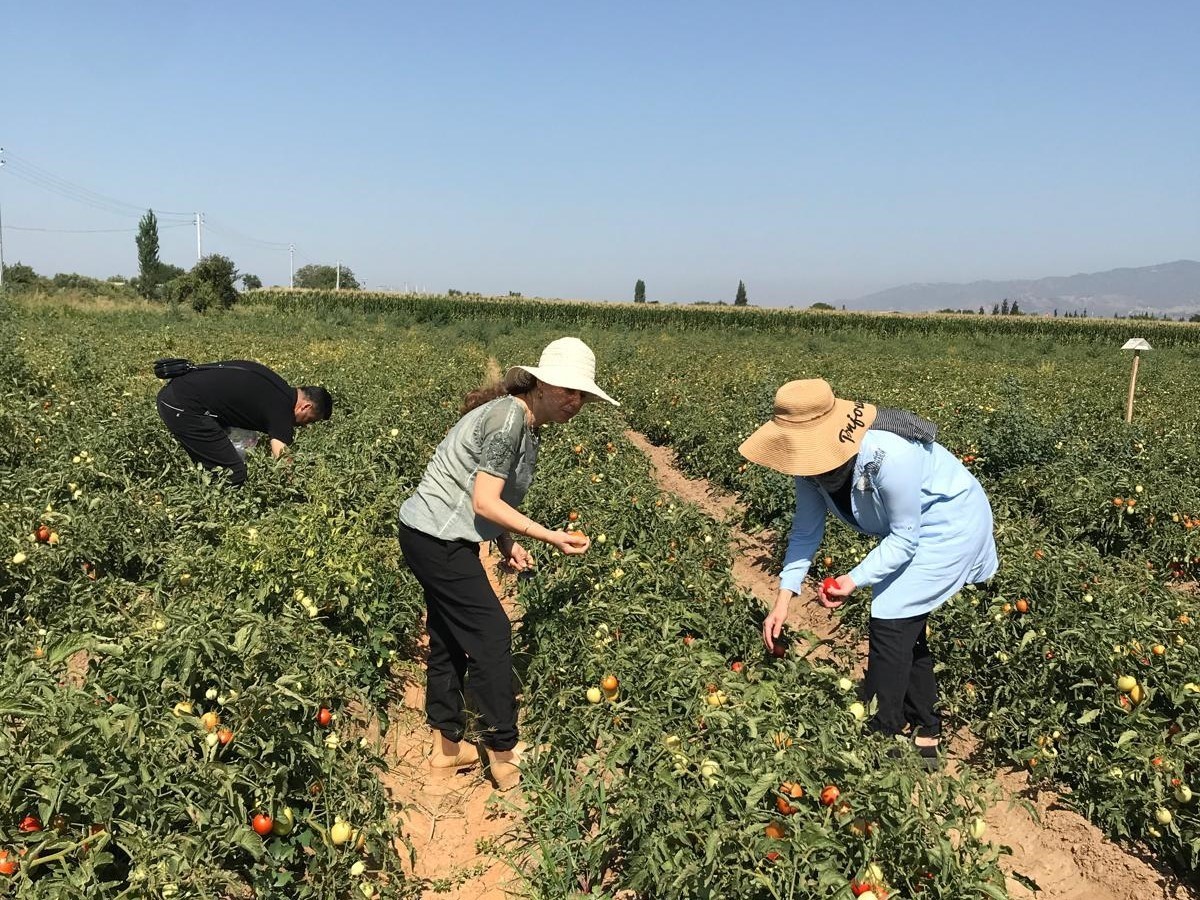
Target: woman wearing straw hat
881,472
469,493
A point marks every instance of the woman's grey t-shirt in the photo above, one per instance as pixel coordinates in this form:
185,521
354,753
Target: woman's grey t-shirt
492,438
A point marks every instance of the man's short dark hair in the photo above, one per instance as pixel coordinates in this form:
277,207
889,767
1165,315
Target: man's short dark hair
321,400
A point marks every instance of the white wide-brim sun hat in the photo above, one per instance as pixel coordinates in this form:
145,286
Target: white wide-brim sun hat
569,363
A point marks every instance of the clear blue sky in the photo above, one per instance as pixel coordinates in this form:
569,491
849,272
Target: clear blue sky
817,151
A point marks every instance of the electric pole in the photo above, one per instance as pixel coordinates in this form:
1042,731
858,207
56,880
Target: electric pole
337,278
1,231
292,265
199,236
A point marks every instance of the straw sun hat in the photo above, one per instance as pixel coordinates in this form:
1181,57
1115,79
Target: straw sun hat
568,363
812,431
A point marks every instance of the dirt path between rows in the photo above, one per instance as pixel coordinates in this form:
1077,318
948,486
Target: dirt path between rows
451,820
1065,854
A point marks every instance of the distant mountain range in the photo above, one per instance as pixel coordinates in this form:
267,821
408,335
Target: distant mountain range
1172,288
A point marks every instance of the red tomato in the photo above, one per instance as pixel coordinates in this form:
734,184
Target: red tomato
8,865
324,716
829,795
737,665
43,533
828,584
224,735
262,824
1022,606
30,824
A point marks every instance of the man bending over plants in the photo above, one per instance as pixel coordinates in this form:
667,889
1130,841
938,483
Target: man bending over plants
200,404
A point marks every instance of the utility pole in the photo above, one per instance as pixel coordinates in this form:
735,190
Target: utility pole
1,231
292,265
337,279
199,236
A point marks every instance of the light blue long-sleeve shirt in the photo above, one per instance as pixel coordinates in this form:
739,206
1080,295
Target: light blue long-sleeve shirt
932,516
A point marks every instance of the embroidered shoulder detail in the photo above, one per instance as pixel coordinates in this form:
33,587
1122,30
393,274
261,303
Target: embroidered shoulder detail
501,428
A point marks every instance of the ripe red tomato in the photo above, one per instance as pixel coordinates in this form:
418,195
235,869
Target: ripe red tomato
829,795
784,808
8,865
737,665
572,516
43,533
828,584
1022,606
610,683
324,716
262,824
772,855
225,735
30,824
858,888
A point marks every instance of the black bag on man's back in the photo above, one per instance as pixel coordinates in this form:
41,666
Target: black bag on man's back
173,367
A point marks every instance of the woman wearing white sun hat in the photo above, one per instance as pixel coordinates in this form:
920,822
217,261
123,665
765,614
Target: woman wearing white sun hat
882,473
469,493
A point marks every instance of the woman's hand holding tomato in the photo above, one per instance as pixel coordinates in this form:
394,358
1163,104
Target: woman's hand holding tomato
571,543
831,588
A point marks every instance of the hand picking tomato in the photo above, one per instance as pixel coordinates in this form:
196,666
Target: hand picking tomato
828,584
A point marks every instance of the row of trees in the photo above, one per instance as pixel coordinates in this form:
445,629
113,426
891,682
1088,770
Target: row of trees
211,283
739,299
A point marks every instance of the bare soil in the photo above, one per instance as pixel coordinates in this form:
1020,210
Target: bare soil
452,821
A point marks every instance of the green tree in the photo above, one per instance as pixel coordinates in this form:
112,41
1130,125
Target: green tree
147,250
251,282
741,299
639,292
820,305
168,272
1015,309
19,276
1004,307
208,286
325,278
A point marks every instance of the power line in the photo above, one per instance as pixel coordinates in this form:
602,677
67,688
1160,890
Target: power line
239,236
27,171
88,230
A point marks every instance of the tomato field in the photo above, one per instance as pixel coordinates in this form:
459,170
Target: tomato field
194,679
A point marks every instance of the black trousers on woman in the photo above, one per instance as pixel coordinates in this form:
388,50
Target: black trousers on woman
470,639
900,676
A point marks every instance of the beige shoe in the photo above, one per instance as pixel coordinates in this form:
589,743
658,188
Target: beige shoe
448,757
505,765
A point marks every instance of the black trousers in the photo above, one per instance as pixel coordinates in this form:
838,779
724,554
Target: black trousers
205,441
900,676
470,639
